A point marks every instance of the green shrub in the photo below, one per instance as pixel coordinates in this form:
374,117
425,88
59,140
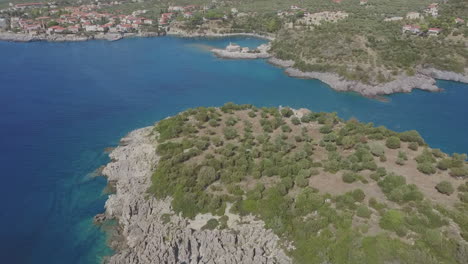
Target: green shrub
349,177
211,224
463,187
295,121
392,220
363,211
230,133
301,181
326,129
459,172
444,164
445,187
286,129
402,155
413,146
213,123
412,136
231,121
391,182
286,112
425,157
252,114
400,161
463,197
308,201
206,176
426,168
438,153
377,149
358,195
393,142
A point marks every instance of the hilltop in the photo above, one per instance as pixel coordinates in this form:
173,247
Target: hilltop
303,187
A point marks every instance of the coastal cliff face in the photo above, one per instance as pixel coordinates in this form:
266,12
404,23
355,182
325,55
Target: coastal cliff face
150,232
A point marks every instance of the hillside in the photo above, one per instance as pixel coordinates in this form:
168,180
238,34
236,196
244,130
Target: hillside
334,191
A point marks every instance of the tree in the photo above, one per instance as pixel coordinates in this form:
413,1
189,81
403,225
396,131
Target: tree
445,187
393,142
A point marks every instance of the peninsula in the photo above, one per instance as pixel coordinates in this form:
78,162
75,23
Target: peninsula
241,184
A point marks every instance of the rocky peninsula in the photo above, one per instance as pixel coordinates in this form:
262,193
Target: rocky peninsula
149,231
234,51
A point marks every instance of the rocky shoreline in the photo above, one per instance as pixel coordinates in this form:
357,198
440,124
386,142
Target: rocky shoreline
149,231
185,34
424,79
21,37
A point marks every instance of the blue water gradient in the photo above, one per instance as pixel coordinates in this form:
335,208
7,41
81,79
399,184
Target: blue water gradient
61,104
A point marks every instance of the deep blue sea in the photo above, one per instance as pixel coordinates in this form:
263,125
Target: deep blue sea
61,104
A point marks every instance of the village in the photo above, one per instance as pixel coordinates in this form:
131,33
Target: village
50,19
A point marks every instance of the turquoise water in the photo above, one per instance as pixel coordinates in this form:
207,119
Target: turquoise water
61,104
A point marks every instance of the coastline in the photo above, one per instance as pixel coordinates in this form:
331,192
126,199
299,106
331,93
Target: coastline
145,223
185,34
22,37
424,79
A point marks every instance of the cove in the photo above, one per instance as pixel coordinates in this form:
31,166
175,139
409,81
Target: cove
62,104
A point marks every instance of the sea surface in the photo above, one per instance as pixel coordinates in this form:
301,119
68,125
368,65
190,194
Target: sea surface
62,104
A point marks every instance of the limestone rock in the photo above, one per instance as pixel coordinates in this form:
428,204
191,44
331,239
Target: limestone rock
145,238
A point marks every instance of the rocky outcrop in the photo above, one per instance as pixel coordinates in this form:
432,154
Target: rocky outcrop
150,232
403,84
445,75
236,52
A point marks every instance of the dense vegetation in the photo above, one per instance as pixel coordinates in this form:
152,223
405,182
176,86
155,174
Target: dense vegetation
330,187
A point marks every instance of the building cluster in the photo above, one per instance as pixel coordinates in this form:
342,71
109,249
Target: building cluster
77,19
432,11
173,11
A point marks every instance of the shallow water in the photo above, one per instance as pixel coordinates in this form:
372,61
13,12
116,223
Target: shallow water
61,104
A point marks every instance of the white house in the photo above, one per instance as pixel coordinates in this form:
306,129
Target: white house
433,9
175,9
434,31
91,28
390,19
413,15
413,29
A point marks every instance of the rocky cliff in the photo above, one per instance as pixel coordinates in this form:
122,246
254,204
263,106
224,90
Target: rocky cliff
150,232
